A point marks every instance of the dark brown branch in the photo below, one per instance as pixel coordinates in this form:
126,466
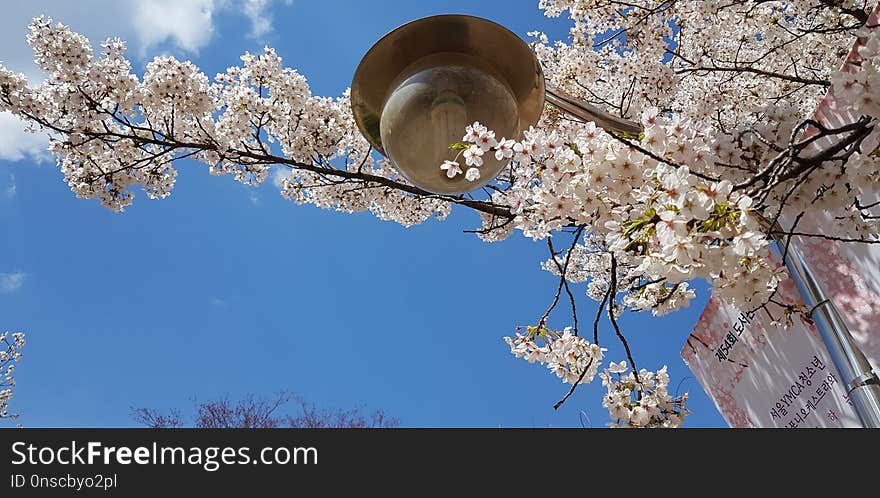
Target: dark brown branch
573,386
611,315
266,158
599,314
754,70
657,158
858,14
563,280
825,237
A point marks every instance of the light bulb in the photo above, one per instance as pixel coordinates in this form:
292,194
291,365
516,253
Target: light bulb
430,105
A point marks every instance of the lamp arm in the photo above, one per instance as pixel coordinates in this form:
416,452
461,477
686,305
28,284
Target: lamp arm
587,112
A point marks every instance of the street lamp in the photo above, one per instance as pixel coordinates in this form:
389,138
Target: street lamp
418,87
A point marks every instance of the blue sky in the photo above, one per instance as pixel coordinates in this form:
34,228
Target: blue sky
227,290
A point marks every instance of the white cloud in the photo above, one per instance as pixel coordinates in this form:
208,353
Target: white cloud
186,24
11,282
17,144
189,24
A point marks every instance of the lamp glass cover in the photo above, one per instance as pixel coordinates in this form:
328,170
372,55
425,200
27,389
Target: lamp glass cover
430,105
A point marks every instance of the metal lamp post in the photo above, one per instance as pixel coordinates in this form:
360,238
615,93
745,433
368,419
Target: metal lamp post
418,87
859,379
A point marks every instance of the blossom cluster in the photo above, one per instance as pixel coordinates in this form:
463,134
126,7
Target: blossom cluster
481,140
112,131
663,223
10,353
643,400
702,60
632,400
570,357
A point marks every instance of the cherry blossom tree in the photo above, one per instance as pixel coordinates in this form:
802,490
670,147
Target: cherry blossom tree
729,158
10,354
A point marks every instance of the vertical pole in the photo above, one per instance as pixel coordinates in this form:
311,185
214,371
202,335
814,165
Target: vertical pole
860,381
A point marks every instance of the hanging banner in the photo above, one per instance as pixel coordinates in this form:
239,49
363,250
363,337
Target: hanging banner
762,375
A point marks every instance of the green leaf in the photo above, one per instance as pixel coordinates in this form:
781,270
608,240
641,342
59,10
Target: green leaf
458,147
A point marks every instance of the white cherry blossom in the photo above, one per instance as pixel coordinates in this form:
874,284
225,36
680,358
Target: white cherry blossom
473,156
473,174
452,168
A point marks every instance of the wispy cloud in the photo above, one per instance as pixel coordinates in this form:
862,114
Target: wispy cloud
280,174
8,188
261,22
258,12
11,282
219,303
